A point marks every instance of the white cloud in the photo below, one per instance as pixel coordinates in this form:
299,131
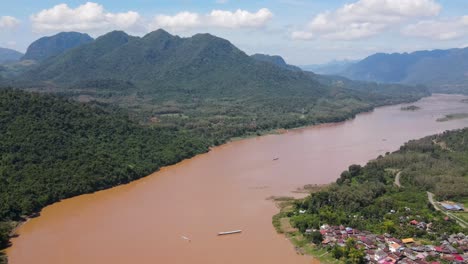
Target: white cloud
239,18
365,18
439,29
302,35
180,21
89,17
216,18
8,22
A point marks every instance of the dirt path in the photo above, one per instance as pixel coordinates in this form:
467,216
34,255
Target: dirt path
397,179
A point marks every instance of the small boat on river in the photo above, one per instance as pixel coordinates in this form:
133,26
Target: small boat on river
229,232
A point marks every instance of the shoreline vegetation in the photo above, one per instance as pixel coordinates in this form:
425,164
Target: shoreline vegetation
390,197
45,137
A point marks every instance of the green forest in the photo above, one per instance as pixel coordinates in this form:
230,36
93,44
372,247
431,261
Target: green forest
367,198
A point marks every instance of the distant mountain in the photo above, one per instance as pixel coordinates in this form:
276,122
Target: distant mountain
276,60
441,70
9,55
46,47
162,63
330,68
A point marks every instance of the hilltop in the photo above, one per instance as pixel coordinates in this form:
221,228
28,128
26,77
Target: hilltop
46,47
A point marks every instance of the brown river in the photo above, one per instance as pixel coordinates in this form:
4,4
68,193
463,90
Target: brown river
225,189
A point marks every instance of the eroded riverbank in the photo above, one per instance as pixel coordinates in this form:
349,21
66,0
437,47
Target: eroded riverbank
225,189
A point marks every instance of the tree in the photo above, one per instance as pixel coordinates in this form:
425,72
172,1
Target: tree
338,252
388,226
356,256
317,237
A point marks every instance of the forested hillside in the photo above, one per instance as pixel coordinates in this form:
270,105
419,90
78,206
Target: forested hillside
52,149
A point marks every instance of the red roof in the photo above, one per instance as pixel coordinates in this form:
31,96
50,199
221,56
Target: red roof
414,222
458,257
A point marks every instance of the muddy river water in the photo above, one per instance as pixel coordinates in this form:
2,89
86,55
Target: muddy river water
225,189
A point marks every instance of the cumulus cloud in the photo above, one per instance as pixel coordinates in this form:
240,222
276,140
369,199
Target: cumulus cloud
216,18
446,29
180,21
8,22
239,18
365,18
89,17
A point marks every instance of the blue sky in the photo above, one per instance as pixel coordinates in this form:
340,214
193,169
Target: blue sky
303,32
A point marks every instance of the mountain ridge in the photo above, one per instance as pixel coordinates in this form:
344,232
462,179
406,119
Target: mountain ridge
161,60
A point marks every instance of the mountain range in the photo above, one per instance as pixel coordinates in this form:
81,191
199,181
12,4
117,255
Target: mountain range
202,82
440,70
162,63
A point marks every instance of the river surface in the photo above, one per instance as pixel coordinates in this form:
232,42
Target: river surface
225,189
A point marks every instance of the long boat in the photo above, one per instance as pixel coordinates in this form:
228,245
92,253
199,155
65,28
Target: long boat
229,232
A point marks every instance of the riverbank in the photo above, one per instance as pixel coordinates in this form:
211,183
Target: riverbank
301,242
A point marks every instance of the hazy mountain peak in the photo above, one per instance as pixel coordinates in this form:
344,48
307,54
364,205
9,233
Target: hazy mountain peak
9,55
159,33
50,46
115,35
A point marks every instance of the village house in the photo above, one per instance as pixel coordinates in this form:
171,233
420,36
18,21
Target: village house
386,249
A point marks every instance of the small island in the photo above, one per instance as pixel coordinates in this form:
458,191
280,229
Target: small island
410,108
450,117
